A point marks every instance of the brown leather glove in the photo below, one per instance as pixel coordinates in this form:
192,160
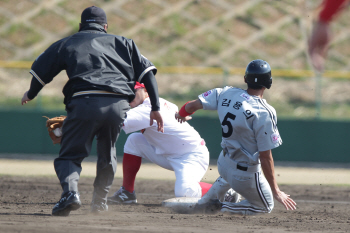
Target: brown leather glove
54,126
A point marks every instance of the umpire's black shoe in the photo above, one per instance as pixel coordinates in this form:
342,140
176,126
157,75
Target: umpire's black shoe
211,207
70,201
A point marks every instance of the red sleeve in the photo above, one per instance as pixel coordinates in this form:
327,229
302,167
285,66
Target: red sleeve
330,8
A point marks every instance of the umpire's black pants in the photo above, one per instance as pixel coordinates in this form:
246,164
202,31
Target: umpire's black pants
87,117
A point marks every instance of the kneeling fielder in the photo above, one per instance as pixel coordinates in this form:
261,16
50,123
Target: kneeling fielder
180,149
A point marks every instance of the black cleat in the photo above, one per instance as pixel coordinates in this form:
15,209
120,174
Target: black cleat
70,201
122,197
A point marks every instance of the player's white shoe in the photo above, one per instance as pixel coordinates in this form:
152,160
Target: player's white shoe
232,196
122,197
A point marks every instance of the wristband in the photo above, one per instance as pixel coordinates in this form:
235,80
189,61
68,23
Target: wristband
183,111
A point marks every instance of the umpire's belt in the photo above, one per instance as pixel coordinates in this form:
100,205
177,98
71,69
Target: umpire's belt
96,92
242,167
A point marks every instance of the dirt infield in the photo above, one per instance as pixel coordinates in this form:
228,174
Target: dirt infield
26,203
290,173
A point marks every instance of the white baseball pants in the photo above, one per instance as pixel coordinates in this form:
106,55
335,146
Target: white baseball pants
189,168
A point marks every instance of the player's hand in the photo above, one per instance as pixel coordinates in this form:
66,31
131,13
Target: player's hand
155,115
285,200
25,98
318,45
182,119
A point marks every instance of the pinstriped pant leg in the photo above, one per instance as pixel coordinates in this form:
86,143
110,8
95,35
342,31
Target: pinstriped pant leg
253,186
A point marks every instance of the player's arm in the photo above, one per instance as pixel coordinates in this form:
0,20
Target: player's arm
136,119
267,165
145,71
192,106
152,88
34,89
330,8
321,33
188,109
45,67
207,101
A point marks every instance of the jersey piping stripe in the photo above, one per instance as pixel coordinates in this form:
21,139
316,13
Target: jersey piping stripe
245,151
94,92
37,77
261,194
242,208
270,113
145,71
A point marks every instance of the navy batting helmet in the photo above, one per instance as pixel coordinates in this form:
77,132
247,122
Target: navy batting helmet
258,73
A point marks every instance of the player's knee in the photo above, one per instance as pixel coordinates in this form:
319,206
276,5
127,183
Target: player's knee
188,190
131,141
271,206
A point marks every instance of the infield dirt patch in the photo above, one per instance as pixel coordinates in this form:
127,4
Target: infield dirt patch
26,203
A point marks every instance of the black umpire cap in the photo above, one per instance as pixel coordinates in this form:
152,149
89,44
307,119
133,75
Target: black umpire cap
93,14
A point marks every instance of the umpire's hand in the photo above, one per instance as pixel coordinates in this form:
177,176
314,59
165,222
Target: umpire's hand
25,98
155,115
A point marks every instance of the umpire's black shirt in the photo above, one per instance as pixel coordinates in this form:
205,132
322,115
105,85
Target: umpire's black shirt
93,60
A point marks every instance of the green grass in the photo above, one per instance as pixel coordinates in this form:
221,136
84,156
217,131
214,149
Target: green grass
39,102
22,36
309,111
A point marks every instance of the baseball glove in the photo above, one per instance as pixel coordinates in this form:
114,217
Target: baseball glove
54,126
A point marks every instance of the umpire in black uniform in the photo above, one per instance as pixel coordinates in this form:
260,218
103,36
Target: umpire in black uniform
102,71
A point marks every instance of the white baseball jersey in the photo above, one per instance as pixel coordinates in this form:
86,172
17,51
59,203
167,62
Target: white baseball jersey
249,124
180,148
178,138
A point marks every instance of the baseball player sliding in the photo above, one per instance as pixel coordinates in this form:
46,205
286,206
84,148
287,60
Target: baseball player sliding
180,149
249,132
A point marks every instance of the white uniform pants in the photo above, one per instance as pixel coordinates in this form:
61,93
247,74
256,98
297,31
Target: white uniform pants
189,168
